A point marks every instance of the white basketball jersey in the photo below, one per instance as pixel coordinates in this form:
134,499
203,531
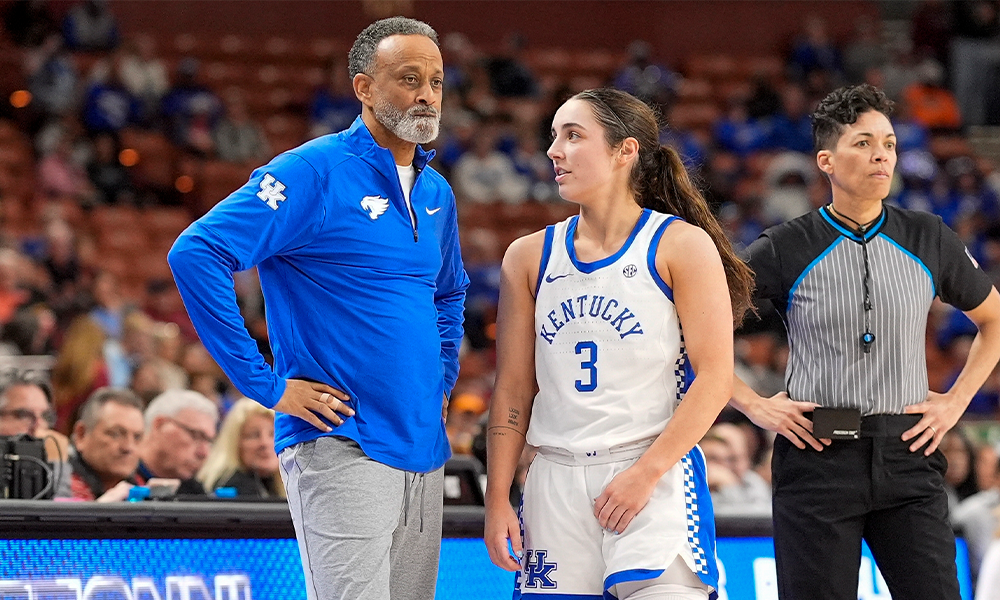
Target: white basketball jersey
609,355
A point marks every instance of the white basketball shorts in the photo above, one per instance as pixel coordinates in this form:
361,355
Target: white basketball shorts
567,554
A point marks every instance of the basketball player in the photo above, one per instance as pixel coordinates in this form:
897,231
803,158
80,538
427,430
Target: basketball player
591,309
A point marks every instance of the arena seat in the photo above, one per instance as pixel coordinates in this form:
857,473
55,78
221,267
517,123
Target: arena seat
771,67
693,115
710,66
157,157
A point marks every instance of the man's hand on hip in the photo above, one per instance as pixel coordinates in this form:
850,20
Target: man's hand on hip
307,399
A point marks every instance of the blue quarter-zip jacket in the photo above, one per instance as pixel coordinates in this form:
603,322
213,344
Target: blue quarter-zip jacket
357,296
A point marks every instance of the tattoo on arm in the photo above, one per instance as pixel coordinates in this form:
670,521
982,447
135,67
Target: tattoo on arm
492,429
513,417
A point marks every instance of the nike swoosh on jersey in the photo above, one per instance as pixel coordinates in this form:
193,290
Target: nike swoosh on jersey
432,211
550,278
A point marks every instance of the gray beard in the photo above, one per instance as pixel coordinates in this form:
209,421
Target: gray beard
408,126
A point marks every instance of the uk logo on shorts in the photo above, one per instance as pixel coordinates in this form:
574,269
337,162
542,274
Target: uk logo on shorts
538,572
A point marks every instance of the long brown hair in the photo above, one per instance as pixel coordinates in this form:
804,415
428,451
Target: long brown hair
661,183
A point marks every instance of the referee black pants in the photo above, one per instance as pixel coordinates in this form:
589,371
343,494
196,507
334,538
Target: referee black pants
874,489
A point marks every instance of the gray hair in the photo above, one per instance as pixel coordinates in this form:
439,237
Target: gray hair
171,402
91,410
361,58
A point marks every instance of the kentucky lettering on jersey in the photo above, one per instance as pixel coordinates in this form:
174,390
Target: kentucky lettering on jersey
587,306
608,342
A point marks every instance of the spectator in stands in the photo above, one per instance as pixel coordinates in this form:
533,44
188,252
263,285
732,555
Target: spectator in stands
29,22
26,409
719,462
163,303
191,110
755,352
987,462
106,440
976,518
60,177
144,74
52,77
167,346
460,59
110,307
531,163
954,337
108,106
465,412
509,74
975,57
12,293
923,185
929,102
146,381
737,132
792,127
334,106
237,137
788,178
29,332
243,454
180,428
931,29
652,82
107,174
815,50
458,131
864,51
133,348
60,261
90,26
911,134
749,490
487,175
79,370
960,478
764,100
968,196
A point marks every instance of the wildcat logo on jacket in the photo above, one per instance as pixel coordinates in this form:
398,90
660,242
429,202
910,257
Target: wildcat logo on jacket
591,308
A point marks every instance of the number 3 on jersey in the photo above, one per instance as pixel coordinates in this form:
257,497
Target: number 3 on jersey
590,364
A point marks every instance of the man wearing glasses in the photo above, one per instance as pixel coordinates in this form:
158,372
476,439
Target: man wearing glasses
180,429
26,409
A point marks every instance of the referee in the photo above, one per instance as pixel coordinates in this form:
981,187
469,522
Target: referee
857,457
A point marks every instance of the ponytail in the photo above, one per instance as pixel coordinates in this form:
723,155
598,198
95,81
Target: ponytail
663,184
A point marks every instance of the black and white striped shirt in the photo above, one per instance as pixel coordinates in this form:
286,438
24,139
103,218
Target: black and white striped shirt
812,269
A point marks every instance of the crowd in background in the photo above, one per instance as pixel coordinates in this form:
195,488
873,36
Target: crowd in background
85,89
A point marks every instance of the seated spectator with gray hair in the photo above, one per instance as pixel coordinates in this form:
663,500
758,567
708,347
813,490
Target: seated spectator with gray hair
106,441
26,409
180,428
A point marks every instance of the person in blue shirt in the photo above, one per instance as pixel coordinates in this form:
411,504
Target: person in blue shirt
355,239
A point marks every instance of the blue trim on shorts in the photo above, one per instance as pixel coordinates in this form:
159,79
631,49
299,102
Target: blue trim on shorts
628,575
701,518
544,596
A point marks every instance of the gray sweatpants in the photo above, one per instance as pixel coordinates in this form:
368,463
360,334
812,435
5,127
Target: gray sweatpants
366,531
